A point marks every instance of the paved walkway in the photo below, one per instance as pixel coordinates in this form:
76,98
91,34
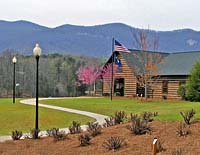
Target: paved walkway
99,118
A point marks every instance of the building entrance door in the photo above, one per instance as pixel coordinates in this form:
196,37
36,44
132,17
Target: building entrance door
119,87
140,91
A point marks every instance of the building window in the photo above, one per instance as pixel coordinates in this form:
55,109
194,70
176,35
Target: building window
165,86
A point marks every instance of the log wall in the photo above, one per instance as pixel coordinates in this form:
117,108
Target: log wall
157,89
172,90
129,80
173,86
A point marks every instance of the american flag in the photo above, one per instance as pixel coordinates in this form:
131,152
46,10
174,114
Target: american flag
120,48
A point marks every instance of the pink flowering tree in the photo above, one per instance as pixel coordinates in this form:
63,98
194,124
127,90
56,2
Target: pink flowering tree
88,75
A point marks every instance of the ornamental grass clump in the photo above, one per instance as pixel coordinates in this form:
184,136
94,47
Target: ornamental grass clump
84,139
94,128
16,135
75,128
120,117
148,116
34,134
113,143
188,116
138,125
109,122
183,129
56,134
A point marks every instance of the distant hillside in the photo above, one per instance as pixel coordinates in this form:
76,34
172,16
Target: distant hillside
87,40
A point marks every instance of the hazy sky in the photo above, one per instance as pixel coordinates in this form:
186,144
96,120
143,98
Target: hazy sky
156,14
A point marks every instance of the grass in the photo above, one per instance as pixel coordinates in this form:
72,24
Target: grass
168,110
22,117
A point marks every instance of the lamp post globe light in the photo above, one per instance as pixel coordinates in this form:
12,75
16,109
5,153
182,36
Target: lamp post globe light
37,51
14,60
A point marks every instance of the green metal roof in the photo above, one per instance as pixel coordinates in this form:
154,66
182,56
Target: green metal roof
179,63
171,64
135,58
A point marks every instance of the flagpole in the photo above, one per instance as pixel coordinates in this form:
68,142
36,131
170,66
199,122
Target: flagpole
111,88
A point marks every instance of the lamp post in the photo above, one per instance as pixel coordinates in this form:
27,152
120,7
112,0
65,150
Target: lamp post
37,53
14,60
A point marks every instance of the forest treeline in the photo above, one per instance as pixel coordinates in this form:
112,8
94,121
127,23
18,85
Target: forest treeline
57,74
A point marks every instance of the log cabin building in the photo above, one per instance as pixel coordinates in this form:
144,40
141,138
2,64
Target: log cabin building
173,70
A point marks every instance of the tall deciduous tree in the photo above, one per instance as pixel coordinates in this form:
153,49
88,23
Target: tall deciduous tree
147,61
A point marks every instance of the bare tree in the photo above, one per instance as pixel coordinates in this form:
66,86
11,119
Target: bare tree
146,69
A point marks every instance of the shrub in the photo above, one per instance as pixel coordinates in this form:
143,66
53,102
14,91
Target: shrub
178,151
34,134
56,134
188,115
182,129
75,127
181,91
84,139
16,135
109,122
94,128
120,117
113,143
138,125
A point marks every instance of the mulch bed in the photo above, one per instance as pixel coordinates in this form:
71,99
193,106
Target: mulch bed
135,145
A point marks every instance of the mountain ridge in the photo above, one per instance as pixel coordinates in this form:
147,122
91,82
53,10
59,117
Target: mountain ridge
88,40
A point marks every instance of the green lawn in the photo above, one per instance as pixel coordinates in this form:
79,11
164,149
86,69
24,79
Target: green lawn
168,111
22,117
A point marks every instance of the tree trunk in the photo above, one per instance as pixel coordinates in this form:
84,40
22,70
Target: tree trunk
94,87
145,90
